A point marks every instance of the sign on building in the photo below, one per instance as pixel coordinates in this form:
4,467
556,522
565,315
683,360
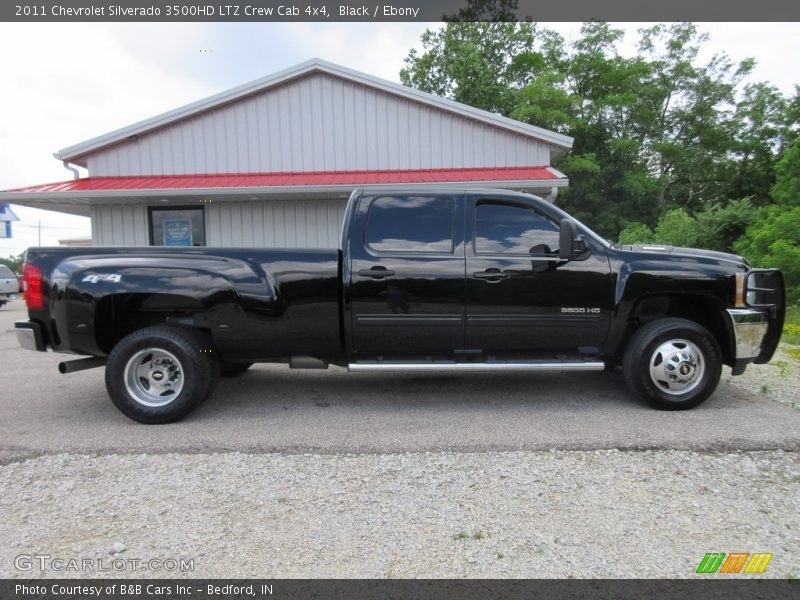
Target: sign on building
6,217
177,232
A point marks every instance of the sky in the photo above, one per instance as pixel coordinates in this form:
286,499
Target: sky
68,82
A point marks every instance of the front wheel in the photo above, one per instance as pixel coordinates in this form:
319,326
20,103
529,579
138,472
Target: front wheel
673,364
159,374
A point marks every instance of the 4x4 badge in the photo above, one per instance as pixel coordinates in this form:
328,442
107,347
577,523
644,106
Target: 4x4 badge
115,277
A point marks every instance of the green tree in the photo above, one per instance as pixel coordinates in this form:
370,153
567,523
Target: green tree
486,10
603,89
720,225
716,228
484,65
14,262
787,177
685,122
774,241
654,132
675,228
764,129
636,233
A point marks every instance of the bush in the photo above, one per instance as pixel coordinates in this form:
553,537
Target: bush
773,240
718,227
636,233
675,228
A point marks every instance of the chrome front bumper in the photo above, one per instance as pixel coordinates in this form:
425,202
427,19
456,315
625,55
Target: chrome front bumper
749,328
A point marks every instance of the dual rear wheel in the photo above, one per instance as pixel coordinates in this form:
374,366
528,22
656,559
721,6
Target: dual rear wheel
159,374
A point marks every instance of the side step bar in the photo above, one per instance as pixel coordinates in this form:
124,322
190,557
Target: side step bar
574,365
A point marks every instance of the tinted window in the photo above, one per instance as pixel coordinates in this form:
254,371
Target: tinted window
6,273
411,224
513,229
177,227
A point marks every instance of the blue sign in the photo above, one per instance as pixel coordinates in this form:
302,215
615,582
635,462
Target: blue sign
6,216
177,232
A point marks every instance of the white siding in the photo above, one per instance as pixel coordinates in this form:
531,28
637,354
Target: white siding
120,225
268,224
319,123
275,223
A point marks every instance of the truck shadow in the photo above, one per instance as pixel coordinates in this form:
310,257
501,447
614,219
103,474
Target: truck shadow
265,388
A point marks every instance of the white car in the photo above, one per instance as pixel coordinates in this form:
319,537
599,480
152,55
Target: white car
9,285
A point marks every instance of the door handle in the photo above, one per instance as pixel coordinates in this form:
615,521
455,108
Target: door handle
378,272
490,275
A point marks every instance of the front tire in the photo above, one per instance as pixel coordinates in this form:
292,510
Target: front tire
672,364
159,374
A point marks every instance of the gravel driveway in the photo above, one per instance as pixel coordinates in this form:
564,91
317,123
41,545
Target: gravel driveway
600,513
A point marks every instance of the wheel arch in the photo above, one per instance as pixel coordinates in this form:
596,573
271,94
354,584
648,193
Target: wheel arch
118,315
704,310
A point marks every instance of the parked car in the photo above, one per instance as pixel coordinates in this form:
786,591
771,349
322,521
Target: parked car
9,285
423,280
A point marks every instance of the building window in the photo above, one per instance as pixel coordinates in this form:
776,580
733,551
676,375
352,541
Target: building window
177,226
411,224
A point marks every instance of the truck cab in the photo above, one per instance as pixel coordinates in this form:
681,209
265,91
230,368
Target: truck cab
472,274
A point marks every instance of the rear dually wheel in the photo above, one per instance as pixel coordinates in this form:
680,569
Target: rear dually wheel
159,374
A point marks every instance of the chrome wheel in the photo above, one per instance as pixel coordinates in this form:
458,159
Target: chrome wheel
153,377
677,367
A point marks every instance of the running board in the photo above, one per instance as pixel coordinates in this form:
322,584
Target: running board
574,365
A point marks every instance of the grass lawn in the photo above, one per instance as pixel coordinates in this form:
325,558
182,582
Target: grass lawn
791,332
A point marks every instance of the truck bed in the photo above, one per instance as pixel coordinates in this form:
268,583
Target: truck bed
256,303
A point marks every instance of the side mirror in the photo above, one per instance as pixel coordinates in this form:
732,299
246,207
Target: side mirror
567,237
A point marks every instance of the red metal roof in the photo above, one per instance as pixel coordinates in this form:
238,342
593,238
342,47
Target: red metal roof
306,178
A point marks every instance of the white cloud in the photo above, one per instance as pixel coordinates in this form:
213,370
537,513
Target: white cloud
71,82
374,48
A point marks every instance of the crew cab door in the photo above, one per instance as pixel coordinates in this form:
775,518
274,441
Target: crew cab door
406,274
521,297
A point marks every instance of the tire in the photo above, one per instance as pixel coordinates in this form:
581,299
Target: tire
139,363
672,364
232,369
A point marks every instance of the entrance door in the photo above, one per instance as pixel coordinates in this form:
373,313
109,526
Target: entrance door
406,288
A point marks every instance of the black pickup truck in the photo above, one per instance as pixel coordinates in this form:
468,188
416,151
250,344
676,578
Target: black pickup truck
424,280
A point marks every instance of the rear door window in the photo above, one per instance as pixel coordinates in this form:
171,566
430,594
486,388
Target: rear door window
417,224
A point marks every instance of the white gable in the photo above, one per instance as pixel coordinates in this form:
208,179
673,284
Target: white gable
318,123
317,116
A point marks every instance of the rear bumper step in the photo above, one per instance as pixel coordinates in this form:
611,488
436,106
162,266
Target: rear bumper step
574,365
29,335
